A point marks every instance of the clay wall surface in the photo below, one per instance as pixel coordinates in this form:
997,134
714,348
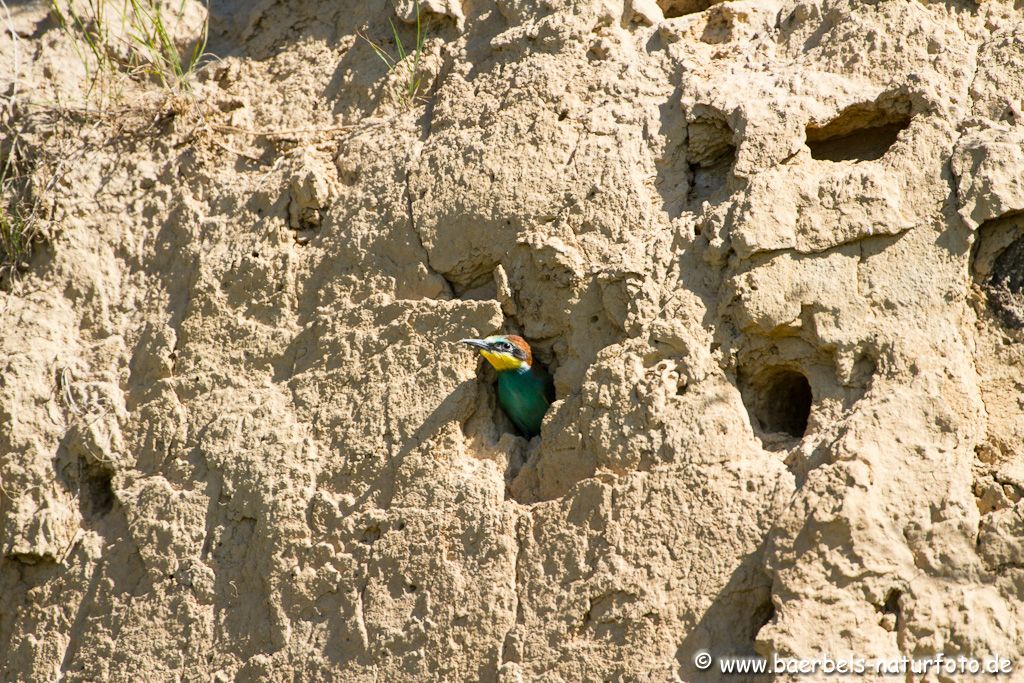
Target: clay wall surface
771,250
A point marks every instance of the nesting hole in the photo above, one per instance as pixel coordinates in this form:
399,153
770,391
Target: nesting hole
997,263
892,602
711,153
780,401
484,289
1005,287
891,610
502,422
543,357
97,493
862,132
763,616
679,8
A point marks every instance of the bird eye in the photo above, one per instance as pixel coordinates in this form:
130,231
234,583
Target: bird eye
504,346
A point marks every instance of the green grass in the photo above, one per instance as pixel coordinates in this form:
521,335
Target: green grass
17,236
137,42
90,37
158,55
29,175
412,80
19,227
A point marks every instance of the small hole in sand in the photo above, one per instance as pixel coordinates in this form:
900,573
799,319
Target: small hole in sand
892,619
1005,288
780,399
679,8
763,615
711,154
862,132
892,602
787,404
98,498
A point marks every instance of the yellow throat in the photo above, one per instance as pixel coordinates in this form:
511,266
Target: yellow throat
501,361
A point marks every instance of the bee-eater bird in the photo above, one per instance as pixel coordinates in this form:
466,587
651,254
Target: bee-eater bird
525,389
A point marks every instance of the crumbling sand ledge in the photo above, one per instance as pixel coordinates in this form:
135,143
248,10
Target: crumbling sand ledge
238,441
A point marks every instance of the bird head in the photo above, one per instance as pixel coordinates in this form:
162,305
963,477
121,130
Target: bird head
504,351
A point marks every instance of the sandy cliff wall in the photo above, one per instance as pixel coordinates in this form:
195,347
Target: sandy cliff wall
767,247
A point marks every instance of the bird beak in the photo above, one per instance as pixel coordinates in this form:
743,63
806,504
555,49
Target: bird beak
478,343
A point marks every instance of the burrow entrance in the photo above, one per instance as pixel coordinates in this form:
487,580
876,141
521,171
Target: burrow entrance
1005,287
711,154
779,400
861,132
998,267
679,8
